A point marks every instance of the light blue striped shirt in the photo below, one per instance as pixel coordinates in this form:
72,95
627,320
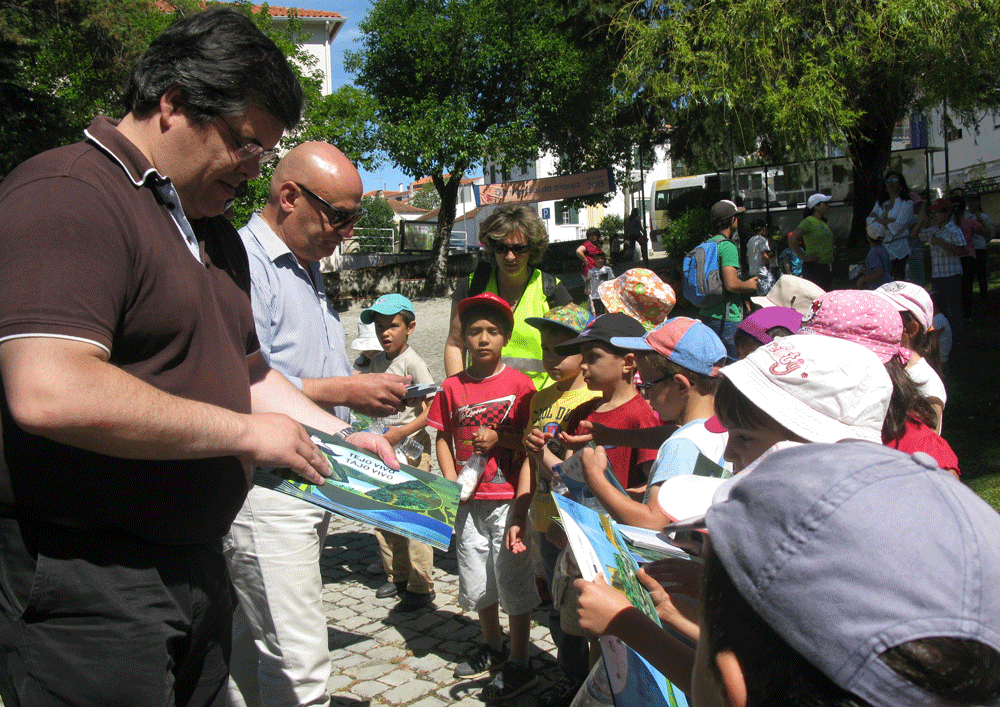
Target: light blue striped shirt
300,332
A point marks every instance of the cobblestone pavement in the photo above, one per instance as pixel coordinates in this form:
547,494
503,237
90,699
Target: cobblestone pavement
382,657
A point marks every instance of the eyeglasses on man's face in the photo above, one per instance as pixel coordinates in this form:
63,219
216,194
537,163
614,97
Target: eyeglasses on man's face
248,150
502,248
335,216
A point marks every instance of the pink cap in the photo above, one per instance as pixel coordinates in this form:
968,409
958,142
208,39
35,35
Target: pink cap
907,297
860,316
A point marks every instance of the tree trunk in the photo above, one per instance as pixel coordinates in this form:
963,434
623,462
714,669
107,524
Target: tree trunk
437,284
870,145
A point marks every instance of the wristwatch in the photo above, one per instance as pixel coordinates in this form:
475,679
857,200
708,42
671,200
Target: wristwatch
343,434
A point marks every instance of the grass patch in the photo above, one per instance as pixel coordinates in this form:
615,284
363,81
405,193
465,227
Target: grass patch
972,377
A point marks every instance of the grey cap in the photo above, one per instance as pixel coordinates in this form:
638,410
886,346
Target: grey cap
723,209
849,549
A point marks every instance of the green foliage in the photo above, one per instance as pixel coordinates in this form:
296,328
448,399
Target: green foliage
686,231
64,61
785,77
371,229
426,198
61,63
612,226
461,81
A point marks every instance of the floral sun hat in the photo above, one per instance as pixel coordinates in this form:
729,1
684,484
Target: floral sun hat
640,294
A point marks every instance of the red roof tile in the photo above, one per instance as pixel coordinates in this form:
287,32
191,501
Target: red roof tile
273,11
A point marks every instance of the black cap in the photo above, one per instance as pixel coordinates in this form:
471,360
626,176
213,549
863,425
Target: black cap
603,329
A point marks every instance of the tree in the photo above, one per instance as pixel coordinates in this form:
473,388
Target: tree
784,77
64,61
61,63
426,198
377,228
461,81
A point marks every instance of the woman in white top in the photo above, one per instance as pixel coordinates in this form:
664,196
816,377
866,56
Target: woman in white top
890,221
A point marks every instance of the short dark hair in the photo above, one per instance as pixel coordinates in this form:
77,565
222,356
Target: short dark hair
663,366
594,231
967,672
488,312
599,254
222,63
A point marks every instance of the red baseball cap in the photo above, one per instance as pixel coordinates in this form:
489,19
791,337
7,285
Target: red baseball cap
491,300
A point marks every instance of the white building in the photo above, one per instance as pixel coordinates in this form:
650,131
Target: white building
967,154
321,29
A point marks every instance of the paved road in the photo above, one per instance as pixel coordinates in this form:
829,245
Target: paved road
382,657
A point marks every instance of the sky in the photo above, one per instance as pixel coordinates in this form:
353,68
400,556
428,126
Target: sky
388,176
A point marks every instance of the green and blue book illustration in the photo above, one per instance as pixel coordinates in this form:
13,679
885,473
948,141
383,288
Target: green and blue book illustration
598,547
410,502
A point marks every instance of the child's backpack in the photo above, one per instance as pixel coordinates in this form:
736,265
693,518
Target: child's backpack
703,274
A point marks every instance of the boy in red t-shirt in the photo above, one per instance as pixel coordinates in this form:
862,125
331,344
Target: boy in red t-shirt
610,370
484,410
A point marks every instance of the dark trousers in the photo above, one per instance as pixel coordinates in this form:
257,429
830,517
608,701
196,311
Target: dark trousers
982,274
968,277
949,296
643,244
821,275
898,268
88,618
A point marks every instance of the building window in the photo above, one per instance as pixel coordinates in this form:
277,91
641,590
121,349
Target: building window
954,134
567,214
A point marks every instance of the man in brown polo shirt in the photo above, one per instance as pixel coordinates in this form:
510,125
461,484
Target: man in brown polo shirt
134,395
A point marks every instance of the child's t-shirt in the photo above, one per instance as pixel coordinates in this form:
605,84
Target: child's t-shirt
794,261
407,363
594,279
499,402
918,437
756,247
927,380
550,408
632,415
679,453
878,257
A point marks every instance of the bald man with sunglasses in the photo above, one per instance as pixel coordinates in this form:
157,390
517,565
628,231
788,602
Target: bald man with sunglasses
280,644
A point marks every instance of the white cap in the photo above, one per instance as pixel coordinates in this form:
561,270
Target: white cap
817,199
793,292
822,389
366,341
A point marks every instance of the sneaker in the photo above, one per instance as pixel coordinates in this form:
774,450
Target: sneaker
512,680
482,662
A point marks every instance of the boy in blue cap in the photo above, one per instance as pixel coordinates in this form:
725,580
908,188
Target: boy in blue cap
408,564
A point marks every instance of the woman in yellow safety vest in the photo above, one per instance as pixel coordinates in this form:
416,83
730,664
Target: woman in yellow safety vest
515,239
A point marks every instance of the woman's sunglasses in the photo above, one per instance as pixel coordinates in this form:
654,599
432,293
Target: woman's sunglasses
502,248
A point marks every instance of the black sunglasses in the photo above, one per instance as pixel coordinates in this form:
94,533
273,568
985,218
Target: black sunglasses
336,217
644,388
502,248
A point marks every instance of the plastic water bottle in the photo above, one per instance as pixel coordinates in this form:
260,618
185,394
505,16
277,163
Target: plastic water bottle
558,485
468,477
406,448
409,449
